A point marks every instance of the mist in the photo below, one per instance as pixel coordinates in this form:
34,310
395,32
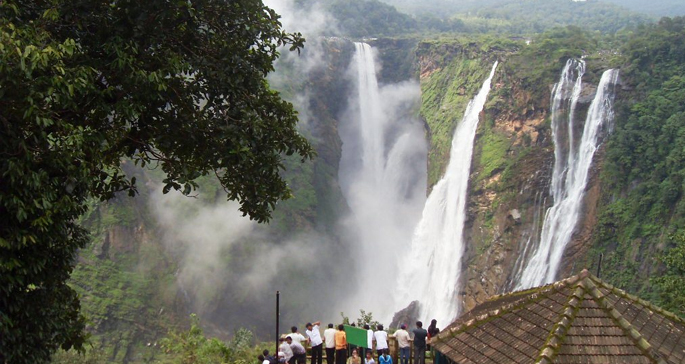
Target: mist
229,268
383,177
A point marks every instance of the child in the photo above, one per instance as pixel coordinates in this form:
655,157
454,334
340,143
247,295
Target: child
385,358
354,359
369,358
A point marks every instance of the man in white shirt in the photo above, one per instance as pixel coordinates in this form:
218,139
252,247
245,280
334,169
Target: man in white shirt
329,339
314,335
381,338
402,337
296,336
369,340
286,350
299,352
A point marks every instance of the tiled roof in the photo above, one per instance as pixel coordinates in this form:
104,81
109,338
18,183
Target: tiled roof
578,320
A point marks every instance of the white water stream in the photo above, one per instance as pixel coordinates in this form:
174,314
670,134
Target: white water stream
383,178
572,162
434,262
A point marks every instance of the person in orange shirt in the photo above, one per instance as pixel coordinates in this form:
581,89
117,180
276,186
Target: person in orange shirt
340,345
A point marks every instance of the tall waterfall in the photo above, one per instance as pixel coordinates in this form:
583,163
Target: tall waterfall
433,274
383,178
572,162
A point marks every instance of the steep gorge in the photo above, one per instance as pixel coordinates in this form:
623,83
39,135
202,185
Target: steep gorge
138,297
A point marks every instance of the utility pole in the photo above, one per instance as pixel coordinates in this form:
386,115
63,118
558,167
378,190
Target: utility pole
599,264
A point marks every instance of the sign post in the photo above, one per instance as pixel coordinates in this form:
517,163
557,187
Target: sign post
356,336
278,313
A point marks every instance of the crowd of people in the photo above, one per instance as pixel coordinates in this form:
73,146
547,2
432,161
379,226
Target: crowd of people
338,351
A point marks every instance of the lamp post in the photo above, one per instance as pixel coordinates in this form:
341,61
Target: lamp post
278,307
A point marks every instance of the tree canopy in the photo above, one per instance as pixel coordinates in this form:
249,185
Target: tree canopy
176,85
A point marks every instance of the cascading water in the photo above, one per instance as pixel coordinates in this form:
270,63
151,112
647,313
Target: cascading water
529,239
571,169
382,175
432,276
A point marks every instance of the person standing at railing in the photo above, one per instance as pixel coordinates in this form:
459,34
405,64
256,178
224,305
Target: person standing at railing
420,335
286,350
340,345
369,340
299,352
381,339
296,336
314,335
433,331
329,339
402,337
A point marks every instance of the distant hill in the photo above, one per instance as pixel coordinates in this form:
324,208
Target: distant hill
373,18
445,7
656,7
535,16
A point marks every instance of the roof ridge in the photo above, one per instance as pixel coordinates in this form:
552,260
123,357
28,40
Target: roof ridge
617,291
558,333
567,281
621,321
538,295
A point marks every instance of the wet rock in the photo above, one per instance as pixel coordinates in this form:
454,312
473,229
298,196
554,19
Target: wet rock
407,315
515,215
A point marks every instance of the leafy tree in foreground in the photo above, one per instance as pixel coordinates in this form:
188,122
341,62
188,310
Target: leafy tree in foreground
84,84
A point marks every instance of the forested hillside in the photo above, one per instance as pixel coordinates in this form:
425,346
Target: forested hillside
642,217
373,18
658,8
438,7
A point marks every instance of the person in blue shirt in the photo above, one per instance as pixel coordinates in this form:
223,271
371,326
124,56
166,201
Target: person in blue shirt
385,358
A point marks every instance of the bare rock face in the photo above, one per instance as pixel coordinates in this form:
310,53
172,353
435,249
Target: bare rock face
504,203
406,316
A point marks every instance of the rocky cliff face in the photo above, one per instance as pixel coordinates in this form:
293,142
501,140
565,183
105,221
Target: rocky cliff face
512,162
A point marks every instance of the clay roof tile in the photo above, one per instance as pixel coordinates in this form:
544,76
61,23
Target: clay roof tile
578,319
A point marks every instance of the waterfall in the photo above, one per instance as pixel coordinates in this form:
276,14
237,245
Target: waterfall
434,262
370,116
383,179
571,168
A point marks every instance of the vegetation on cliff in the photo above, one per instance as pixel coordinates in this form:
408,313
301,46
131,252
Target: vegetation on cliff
451,72
644,170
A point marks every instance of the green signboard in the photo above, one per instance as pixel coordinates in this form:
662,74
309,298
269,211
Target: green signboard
356,336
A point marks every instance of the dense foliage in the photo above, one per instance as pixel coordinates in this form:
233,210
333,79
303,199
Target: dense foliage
84,84
442,7
660,7
540,61
372,18
672,282
645,167
193,347
535,16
